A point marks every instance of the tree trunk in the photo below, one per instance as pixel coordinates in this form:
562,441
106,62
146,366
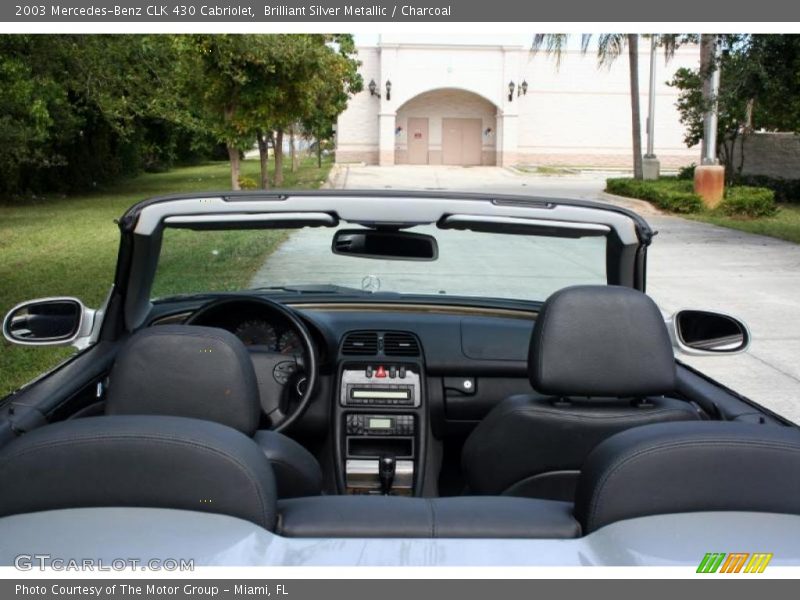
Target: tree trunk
278,148
233,155
319,153
293,150
636,117
263,156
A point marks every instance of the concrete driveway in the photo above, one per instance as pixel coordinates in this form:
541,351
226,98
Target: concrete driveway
690,265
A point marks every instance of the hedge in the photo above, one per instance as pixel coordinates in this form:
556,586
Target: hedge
786,190
677,195
748,201
668,193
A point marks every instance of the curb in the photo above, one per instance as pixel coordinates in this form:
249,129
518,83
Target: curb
331,183
641,207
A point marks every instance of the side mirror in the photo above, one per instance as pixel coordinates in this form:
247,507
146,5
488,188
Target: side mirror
387,245
48,322
706,332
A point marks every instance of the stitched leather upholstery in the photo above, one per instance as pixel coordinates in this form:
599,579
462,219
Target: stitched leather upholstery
605,355
690,467
187,371
601,341
205,373
143,461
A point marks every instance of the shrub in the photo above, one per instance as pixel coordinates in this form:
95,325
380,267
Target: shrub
748,201
786,190
247,183
687,173
679,202
667,193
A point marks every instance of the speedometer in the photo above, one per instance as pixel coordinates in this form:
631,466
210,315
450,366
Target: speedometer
290,343
257,333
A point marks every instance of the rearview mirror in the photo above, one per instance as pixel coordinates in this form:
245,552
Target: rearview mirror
705,332
387,245
46,322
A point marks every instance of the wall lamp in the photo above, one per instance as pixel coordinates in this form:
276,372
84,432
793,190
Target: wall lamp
398,130
373,89
522,89
487,132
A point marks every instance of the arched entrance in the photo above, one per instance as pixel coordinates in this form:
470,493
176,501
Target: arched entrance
446,127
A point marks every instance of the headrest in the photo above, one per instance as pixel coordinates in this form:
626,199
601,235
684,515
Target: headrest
186,371
690,467
142,461
602,341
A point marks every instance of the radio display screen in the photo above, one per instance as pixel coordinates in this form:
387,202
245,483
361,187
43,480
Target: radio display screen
388,394
380,423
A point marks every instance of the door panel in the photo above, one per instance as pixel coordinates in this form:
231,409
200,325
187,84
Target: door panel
417,141
451,141
461,141
471,142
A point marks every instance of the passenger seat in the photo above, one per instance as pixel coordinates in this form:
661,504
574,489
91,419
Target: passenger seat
603,358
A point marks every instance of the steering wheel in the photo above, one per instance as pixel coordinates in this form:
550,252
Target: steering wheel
276,372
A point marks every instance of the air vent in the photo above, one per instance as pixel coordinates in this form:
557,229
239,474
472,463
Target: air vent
361,343
400,344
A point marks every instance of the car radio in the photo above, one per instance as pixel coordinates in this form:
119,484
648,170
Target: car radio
380,385
361,424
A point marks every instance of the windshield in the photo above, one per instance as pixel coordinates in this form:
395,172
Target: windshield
469,264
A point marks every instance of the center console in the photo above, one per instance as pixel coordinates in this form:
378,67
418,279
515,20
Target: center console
379,422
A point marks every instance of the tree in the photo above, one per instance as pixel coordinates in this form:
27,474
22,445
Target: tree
230,74
333,91
321,73
759,89
77,111
254,85
636,111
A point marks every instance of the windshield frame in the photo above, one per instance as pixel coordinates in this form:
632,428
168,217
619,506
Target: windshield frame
142,226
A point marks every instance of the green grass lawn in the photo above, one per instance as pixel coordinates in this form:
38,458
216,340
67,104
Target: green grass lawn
785,224
68,247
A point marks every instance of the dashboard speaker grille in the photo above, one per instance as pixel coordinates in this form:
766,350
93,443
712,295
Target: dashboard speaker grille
400,344
360,343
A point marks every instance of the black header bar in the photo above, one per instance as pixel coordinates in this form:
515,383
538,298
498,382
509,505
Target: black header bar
337,11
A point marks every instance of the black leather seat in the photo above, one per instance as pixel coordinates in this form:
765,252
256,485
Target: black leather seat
690,467
603,358
141,461
205,373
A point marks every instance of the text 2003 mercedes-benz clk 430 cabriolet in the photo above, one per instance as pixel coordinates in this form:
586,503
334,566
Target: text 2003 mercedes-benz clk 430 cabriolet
409,378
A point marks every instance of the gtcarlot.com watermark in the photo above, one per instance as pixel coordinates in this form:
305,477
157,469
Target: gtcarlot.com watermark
30,562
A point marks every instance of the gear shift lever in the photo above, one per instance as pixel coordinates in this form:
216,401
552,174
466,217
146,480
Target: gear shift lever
386,468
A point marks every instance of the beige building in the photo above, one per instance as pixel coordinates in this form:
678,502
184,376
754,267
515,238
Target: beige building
493,104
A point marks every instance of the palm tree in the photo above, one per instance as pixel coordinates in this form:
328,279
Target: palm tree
609,47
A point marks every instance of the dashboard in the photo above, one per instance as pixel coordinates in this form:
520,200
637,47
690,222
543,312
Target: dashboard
471,358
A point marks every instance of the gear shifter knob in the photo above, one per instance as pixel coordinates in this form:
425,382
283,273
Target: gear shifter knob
386,468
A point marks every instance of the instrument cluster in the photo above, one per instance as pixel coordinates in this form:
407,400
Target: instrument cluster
268,336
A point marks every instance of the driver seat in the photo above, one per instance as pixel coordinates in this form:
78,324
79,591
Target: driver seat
205,373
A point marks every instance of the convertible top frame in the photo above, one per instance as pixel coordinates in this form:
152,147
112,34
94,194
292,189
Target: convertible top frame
628,235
